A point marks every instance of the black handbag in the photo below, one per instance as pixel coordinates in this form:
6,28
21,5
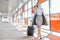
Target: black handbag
44,20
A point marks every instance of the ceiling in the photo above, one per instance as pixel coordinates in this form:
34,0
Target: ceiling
4,5
7,6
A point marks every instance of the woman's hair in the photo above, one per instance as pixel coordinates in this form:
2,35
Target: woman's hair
37,4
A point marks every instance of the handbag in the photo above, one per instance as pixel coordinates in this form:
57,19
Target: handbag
44,20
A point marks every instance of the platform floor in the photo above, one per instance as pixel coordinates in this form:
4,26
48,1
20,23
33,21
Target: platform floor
10,32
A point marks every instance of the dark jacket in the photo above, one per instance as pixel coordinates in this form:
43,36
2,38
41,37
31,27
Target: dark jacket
44,20
34,20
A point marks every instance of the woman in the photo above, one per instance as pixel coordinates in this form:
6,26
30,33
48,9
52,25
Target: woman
38,12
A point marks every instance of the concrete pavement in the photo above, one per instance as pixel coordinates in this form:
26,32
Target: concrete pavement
9,32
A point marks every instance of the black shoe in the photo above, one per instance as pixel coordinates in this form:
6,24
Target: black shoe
40,38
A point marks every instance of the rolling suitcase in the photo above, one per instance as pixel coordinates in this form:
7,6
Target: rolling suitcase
30,30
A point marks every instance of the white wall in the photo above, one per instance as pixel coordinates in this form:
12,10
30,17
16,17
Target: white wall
55,6
45,6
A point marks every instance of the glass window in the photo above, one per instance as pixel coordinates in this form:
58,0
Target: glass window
29,13
20,5
29,4
22,21
35,2
19,11
25,7
32,3
25,14
29,21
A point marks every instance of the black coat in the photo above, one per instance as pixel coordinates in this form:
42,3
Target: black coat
34,20
44,20
43,17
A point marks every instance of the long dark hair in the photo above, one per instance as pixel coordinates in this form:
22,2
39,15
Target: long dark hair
37,5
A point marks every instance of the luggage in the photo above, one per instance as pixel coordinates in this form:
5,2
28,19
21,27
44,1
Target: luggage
30,30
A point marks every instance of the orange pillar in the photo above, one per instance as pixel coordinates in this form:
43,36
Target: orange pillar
23,9
40,1
55,24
